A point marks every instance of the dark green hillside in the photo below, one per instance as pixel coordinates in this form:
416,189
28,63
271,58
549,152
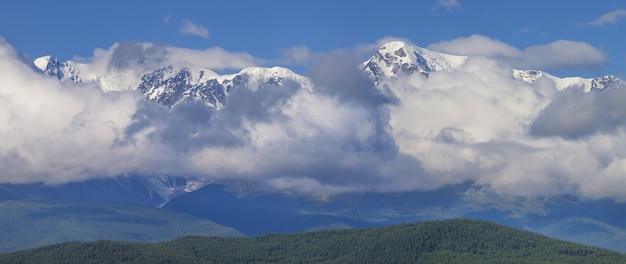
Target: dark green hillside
28,224
451,241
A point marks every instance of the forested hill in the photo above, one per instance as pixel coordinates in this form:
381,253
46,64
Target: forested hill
453,241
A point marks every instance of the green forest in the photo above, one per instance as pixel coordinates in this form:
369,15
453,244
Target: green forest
447,241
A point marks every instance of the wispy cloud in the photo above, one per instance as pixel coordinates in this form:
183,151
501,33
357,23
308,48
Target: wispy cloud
190,28
298,55
166,19
448,5
528,31
608,18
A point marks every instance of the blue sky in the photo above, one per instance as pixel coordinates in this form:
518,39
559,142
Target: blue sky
266,29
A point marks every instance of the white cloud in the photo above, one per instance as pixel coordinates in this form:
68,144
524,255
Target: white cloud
121,66
166,19
213,58
190,28
298,55
472,125
562,54
609,18
475,124
576,115
448,5
476,45
557,55
56,133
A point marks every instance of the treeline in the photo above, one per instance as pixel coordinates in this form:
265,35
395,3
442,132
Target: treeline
450,241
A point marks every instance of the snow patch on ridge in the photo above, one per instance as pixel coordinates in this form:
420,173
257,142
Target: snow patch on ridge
584,84
63,71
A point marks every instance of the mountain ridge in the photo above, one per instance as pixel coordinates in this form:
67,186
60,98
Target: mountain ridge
170,85
449,241
585,84
27,224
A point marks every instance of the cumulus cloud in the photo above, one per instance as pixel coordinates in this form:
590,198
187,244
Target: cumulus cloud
190,28
336,75
574,114
334,138
608,18
475,124
473,127
279,135
57,133
557,55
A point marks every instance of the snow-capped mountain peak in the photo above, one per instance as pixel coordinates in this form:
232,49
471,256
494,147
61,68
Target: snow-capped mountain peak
605,82
585,84
258,76
171,85
63,71
398,57
529,76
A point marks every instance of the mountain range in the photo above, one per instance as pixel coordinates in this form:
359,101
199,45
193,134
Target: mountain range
171,85
255,211
30,224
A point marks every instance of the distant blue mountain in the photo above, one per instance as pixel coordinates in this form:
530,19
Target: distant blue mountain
598,223
258,214
28,224
149,191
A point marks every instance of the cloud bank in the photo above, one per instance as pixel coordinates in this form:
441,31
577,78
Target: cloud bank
298,55
475,124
